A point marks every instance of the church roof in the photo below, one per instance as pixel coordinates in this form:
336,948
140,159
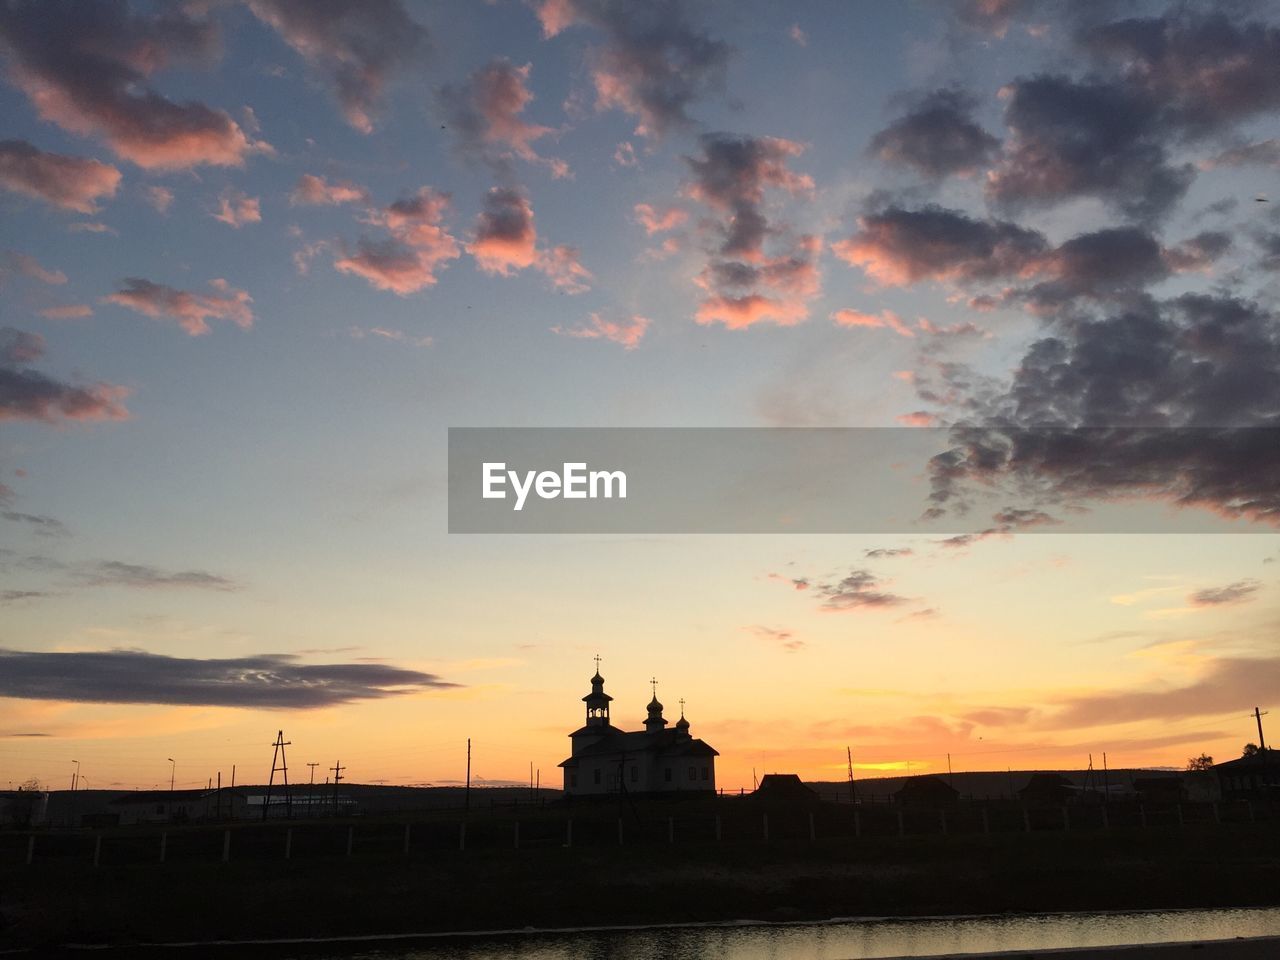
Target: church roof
664,743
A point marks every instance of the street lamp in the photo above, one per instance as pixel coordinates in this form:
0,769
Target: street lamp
75,777
173,769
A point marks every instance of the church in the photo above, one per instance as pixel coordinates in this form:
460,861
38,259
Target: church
607,760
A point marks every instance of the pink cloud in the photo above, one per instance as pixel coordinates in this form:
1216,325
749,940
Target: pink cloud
28,266
485,115
89,74
562,266
358,47
236,209
505,239
75,311
190,310
659,221
72,183
317,191
160,198
28,394
848,317
417,248
626,332
738,313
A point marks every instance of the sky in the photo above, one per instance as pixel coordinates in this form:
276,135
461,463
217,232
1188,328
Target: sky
257,257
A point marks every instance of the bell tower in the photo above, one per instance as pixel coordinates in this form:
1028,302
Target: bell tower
597,700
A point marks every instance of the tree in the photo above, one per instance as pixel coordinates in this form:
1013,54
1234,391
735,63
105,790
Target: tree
1250,750
1200,764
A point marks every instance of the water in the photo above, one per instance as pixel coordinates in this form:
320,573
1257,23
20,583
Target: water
835,940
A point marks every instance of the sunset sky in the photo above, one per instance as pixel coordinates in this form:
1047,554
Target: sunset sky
257,257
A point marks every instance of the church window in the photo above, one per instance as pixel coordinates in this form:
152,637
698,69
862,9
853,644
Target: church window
635,774
693,773
705,773
597,775
573,779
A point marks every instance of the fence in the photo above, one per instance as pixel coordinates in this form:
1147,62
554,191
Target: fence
597,827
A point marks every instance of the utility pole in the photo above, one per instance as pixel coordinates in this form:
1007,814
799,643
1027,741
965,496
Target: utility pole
853,792
467,795
278,762
337,769
1106,781
75,777
950,783
173,770
311,789
1258,715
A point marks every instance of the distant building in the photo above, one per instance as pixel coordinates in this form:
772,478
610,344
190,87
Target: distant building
1256,776
608,760
174,806
785,788
926,792
1047,788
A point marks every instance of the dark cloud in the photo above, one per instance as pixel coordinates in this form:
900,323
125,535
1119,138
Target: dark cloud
1201,68
18,596
880,553
936,137
358,47
27,394
114,573
72,183
1237,592
1086,138
87,67
42,525
191,311
1264,153
756,270
896,246
264,681
484,116
1171,400
654,62
1228,683
861,589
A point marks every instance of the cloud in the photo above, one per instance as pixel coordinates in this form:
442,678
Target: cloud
160,198
1169,400
1232,593
21,596
484,115
1201,68
190,310
659,221
798,36
41,525
1263,153
23,264
390,334
71,311
880,553
861,589
936,137
1087,138
756,271
653,65
1225,685
785,639
848,317
235,209
317,191
418,247
87,68
357,47
898,247
504,241
628,333
72,183
264,681
27,394
114,573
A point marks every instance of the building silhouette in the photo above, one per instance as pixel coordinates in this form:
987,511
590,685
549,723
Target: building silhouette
606,760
